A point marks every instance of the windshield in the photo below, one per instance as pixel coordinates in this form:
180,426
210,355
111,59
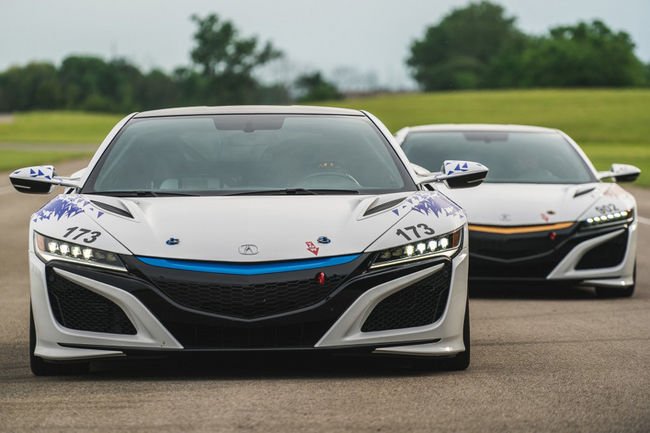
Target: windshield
249,154
512,157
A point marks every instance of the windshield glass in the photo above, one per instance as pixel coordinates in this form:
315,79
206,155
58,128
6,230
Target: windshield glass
512,157
249,154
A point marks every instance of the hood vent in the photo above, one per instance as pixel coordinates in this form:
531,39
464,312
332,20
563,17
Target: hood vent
583,191
383,206
113,209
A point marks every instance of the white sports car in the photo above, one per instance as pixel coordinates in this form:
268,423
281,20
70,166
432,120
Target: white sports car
544,213
247,228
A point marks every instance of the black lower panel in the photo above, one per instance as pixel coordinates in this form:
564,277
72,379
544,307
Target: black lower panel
417,305
197,329
606,255
76,307
496,257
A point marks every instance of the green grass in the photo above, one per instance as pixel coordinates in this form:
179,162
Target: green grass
13,159
64,127
610,125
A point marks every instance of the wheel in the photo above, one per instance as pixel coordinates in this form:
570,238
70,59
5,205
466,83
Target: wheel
41,367
618,292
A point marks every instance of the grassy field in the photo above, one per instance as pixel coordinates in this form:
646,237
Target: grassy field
611,125
12,159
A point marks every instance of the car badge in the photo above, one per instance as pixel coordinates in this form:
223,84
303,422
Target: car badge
323,240
172,241
505,217
248,249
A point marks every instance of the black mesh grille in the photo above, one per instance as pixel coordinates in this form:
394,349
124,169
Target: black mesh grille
515,247
298,335
78,308
419,304
608,254
249,301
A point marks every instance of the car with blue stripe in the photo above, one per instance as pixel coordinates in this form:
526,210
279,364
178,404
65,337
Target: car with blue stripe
248,228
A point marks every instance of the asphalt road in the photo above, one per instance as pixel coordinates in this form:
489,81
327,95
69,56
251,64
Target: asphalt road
542,360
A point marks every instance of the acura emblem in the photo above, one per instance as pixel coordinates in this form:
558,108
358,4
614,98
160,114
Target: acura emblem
248,249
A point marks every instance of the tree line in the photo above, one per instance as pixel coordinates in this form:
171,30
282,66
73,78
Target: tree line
480,47
222,72
474,47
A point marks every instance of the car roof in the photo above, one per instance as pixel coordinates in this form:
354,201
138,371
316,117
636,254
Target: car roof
478,127
249,109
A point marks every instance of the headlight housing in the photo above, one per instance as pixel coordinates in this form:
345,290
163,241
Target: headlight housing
442,245
610,219
47,249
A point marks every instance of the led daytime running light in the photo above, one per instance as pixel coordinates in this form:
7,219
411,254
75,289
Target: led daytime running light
419,250
53,249
613,217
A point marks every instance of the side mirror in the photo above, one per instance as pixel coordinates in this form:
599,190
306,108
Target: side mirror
621,173
39,180
458,174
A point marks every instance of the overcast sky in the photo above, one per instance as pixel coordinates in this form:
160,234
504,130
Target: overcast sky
371,36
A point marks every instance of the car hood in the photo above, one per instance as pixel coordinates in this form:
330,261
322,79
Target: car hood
216,228
531,204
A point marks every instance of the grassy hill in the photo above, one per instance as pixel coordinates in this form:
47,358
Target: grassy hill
611,125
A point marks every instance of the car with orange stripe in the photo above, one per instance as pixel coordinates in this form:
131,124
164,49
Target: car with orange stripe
544,213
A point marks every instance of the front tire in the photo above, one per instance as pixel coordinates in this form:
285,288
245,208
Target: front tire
40,367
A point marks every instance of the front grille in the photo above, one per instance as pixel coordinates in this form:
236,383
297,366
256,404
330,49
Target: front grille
78,308
605,255
420,304
515,247
248,301
298,335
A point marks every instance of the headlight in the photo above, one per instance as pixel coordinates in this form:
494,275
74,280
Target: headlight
52,249
422,249
605,220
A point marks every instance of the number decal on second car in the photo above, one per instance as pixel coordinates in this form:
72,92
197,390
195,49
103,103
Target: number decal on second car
426,230
92,235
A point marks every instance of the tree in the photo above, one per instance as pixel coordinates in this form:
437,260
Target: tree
583,55
313,87
228,61
458,52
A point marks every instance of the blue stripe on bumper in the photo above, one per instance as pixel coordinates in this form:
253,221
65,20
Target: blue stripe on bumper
248,268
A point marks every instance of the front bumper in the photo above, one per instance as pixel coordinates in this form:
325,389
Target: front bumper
602,257
162,324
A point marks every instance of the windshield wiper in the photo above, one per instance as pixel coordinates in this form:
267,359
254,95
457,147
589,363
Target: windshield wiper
296,191
144,193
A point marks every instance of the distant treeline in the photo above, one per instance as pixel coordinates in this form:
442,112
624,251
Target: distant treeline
478,46
222,72
475,47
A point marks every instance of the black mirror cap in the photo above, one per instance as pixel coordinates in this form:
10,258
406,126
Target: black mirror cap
627,177
29,186
469,180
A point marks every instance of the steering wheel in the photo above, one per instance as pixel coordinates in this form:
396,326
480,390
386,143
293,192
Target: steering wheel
348,180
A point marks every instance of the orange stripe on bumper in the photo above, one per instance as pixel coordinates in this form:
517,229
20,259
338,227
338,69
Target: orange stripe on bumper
520,229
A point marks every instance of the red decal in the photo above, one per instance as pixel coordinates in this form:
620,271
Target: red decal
312,248
545,217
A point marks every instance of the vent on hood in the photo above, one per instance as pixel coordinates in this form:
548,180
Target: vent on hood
383,206
113,209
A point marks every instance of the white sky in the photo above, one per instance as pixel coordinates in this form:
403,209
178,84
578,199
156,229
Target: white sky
367,35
